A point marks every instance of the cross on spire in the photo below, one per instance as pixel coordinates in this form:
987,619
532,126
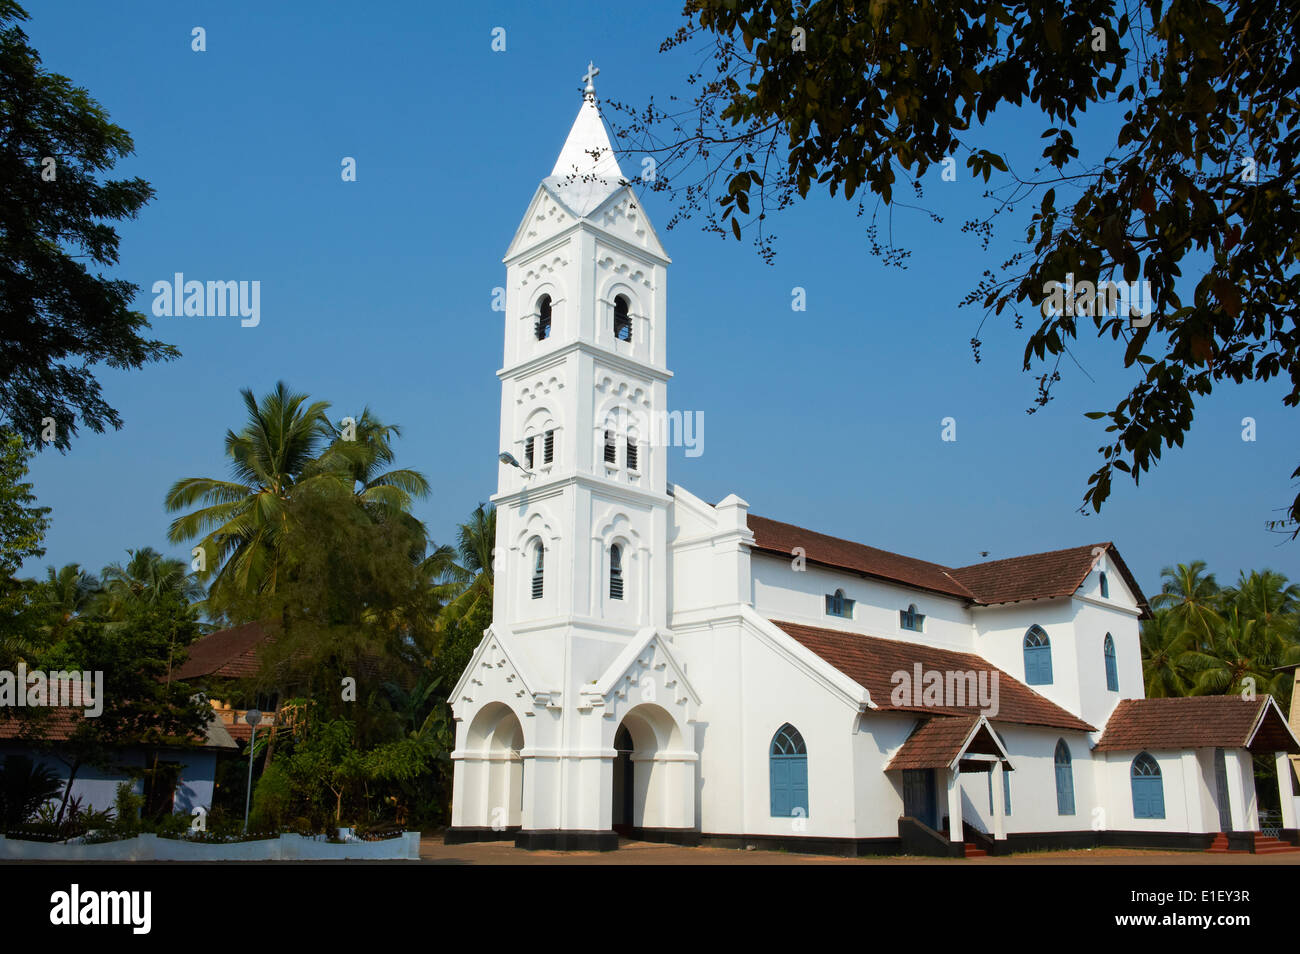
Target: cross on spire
592,72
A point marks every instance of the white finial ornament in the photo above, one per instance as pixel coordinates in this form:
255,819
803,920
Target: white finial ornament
592,73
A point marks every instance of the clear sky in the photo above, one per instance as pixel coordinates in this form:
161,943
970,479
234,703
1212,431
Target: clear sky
378,292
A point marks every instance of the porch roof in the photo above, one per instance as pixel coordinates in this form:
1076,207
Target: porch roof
1198,722
942,741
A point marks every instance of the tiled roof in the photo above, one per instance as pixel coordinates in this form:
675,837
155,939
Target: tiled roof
782,538
61,721
1057,573
229,652
871,662
934,744
1197,722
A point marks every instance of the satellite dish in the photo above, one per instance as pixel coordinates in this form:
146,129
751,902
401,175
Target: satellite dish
252,717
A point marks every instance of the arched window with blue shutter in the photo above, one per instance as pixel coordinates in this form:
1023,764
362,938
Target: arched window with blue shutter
1112,671
789,773
1105,586
1038,657
1064,779
1148,788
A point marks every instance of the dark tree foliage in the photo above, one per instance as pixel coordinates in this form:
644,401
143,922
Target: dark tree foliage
59,315
1194,191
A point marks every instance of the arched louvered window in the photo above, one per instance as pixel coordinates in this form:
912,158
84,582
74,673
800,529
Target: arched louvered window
611,447
1148,788
1112,670
1038,657
548,447
1105,586
788,760
837,604
911,619
543,324
539,569
528,452
1064,779
632,456
622,320
615,572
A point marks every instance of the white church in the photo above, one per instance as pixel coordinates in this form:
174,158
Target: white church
663,668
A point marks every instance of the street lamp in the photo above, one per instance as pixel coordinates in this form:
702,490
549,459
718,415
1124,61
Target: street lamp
252,717
509,459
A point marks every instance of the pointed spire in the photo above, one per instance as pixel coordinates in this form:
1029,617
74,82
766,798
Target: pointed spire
586,173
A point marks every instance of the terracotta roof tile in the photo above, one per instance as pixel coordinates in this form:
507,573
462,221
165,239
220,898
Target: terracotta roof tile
934,744
1197,722
61,721
229,652
871,662
782,538
1057,573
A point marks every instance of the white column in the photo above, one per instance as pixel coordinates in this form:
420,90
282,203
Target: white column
999,805
954,804
1285,796
1237,791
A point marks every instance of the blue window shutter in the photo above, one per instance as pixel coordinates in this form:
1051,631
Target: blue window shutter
788,772
780,787
1112,671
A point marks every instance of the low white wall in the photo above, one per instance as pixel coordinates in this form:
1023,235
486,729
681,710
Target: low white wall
153,848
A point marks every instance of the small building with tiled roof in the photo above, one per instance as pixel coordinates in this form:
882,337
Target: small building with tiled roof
663,667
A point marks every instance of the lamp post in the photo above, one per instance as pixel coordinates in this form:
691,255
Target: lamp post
508,459
252,717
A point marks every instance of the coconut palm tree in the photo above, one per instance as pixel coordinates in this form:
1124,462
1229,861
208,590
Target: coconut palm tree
1269,599
1241,653
469,582
1164,642
242,519
146,578
360,452
64,595
1192,598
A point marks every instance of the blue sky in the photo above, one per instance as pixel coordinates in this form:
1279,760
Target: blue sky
378,292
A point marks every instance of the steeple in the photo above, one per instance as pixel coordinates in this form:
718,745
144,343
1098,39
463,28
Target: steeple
586,173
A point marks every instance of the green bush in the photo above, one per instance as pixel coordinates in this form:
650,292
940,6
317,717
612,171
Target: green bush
272,796
128,806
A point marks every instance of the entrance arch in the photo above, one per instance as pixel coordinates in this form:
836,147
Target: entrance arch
494,767
652,772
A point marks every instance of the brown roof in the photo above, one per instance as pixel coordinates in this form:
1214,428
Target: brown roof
937,742
1057,573
871,662
59,722
228,652
1197,722
782,538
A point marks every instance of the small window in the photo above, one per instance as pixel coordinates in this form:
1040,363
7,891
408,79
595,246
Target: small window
548,447
911,619
539,569
622,320
543,324
631,454
528,452
1105,586
611,448
837,604
1112,671
616,572
1038,657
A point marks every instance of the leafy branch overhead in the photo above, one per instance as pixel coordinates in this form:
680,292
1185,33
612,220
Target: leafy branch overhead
1192,189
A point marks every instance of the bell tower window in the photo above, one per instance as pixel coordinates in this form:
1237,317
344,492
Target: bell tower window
539,569
631,454
528,452
622,320
548,447
611,448
543,325
616,572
